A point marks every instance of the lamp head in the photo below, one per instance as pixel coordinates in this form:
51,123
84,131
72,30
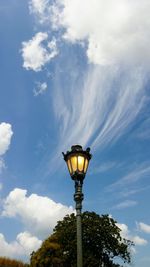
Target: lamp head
77,161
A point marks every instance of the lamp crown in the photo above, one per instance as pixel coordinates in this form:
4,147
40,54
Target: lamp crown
76,148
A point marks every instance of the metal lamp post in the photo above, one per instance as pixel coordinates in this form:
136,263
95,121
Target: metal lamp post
77,161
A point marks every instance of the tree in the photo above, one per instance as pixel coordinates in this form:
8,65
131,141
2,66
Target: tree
48,255
6,262
102,243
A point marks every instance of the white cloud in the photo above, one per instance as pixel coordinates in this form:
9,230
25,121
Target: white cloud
24,244
40,8
125,233
114,31
36,54
5,137
125,204
40,89
110,96
39,214
9,249
124,230
113,93
28,242
139,241
5,140
144,227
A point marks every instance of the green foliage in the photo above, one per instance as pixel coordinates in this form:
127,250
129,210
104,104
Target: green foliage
6,262
102,243
102,240
48,255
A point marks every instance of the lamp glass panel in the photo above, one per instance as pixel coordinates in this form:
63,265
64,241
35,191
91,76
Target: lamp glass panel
86,165
74,163
81,160
69,166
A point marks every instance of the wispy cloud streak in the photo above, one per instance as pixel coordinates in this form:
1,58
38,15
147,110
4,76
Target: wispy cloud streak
96,107
132,177
125,204
98,112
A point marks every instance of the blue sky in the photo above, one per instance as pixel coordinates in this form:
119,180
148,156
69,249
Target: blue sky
73,72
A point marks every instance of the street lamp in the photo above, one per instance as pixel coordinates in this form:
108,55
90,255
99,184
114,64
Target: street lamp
77,161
